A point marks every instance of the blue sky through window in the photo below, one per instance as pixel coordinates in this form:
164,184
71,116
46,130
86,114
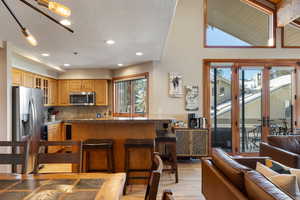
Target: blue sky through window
217,37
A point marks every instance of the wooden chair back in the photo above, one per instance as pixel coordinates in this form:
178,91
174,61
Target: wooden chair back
17,156
153,183
74,157
167,195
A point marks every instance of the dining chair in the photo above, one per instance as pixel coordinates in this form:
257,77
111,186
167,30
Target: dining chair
153,183
167,195
73,157
17,156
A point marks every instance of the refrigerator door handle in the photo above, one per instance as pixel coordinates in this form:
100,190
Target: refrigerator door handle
33,116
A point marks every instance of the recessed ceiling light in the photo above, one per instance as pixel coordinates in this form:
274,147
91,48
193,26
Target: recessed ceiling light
65,22
139,53
120,65
110,42
45,54
67,65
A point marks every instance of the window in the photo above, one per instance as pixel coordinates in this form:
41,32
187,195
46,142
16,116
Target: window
291,35
239,23
131,95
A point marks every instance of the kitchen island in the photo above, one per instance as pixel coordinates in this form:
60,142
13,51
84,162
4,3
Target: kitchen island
119,129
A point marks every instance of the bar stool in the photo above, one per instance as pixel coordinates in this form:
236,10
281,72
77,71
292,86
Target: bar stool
165,144
136,144
99,144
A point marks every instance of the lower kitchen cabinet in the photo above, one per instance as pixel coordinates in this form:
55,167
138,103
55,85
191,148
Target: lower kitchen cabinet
55,134
191,142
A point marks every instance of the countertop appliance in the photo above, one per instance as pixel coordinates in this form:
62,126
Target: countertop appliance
83,98
27,118
194,121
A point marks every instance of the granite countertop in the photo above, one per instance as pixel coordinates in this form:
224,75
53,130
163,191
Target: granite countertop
119,120
148,119
46,123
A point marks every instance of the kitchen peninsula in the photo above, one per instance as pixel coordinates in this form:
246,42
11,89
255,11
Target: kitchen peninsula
119,129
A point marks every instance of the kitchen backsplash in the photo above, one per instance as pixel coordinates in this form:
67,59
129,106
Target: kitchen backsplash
80,112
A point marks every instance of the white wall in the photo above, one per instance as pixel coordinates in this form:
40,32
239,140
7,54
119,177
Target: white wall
21,62
86,74
184,53
5,97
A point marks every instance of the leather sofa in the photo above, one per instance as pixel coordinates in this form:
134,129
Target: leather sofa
283,149
228,178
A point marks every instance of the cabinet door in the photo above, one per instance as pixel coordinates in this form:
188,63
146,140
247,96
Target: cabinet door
54,134
28,79
183,146
75,85
38,82
53,92
88,86
46,91
101,89
63,92
16,77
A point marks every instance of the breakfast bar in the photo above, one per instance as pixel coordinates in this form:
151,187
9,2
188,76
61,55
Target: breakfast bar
118,129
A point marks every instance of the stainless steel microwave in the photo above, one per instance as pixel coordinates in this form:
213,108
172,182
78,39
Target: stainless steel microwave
83,98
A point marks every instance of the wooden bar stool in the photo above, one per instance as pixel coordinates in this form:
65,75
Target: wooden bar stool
137,144
165,144
90,145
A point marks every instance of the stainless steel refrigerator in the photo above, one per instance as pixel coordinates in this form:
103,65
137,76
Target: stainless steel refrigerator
27,118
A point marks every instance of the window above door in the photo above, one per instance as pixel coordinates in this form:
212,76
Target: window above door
238,24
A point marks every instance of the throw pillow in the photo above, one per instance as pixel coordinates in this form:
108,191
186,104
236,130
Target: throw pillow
286,182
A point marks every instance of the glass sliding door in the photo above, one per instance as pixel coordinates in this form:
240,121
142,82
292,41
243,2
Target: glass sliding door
280,121
221,104
250,114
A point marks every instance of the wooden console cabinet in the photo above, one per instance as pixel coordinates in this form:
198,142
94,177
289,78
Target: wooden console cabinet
191,142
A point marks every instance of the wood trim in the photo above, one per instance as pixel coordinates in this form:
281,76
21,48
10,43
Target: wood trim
146,74
254,3
282,38
236,64
114,94
285,62
235,121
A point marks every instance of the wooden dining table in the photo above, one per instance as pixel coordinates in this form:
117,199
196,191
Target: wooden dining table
67,186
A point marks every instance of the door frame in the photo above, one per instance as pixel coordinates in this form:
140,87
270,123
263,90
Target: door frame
237,63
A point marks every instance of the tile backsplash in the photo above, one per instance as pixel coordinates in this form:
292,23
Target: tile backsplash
80,112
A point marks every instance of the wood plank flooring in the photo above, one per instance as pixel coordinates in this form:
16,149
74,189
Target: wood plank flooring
188,188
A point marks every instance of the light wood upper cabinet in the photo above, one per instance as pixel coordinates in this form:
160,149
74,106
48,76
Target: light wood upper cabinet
88,85
16,77
101,89
28,79
53,92
75,85
63,92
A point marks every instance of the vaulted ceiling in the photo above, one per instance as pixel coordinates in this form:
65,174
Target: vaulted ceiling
135,25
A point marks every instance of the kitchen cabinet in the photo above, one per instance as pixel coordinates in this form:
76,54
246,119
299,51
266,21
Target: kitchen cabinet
75,85
55,134
28,79
101,89
191,142
53,92
87,86
16,77
63,92
81,85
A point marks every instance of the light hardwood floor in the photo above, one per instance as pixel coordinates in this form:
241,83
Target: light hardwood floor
188,188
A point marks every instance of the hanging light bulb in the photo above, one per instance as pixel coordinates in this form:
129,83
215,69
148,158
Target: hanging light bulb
30,38
55,7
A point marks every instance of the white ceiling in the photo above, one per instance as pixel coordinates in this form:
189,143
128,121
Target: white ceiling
135,25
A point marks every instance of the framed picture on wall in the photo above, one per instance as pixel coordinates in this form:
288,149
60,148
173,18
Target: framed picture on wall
191,98
175,85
